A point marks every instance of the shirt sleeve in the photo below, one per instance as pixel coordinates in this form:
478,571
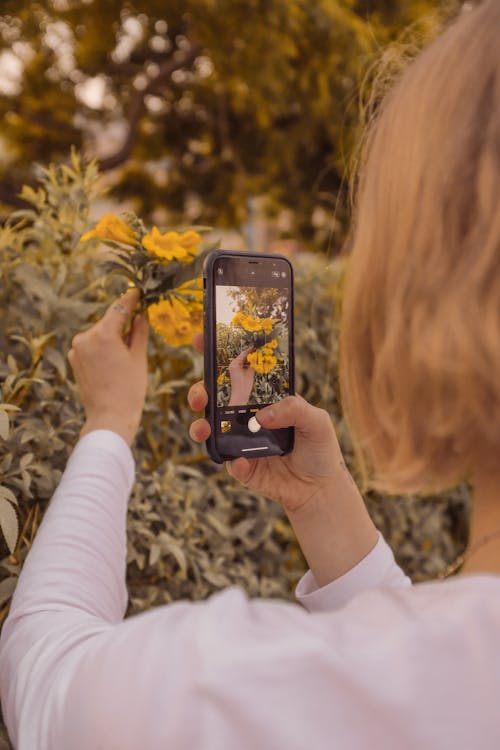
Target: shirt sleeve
72,585
378,568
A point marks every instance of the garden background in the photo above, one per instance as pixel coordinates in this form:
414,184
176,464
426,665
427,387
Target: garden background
241,115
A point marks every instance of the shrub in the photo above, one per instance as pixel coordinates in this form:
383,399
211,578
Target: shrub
192,530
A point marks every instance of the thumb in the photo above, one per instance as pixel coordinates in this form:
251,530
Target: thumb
139,336
295,411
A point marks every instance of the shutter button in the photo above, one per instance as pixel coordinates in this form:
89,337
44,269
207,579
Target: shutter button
253,425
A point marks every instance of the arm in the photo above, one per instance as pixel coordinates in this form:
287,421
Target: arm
71,589
312,484
242,376
73,582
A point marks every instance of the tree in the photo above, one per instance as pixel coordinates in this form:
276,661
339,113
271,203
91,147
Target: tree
197,106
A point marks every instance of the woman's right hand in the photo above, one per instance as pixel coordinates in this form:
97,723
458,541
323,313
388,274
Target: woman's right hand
295,479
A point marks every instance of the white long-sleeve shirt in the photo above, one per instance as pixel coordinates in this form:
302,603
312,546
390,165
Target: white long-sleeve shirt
368,661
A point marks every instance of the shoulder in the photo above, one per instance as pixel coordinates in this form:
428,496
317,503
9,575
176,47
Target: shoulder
233,661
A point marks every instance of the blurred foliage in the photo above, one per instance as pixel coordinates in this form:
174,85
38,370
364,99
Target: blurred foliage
199,106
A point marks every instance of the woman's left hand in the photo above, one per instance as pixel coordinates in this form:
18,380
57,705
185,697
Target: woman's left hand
111,371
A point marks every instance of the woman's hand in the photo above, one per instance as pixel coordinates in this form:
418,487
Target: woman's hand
313,466
242,376
312,483
111,371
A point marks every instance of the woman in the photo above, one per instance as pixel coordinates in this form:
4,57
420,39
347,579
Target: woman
368,660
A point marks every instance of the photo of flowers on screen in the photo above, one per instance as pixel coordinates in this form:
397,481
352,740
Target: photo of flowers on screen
252,341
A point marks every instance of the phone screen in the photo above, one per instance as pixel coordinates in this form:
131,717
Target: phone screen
253,350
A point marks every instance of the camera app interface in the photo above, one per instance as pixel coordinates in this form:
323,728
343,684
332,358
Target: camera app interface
252,312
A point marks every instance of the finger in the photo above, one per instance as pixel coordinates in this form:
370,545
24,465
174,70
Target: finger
241,357
198,341
77,340
139,336
293,411
240,469
199,430
120,312
197,396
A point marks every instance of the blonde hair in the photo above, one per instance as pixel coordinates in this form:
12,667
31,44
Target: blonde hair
420,329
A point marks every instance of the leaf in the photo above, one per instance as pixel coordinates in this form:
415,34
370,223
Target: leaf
217,579
5,463
219,526
23,215
154,553
10,407
26,460
26,483
8,494
57,360
12,364
169,544
34,283
9,524
7,587
9,567
4,425
194,269
36,197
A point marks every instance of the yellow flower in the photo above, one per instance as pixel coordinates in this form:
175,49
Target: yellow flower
267,324
110,227
172,245
222,378
195,316
269,346
253,324
262,362
174,321
238,318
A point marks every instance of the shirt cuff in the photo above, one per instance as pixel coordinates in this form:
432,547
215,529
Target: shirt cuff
377,568
109,442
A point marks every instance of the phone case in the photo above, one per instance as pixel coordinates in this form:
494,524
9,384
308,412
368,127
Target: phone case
210,350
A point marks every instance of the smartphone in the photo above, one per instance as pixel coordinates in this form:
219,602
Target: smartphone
249,351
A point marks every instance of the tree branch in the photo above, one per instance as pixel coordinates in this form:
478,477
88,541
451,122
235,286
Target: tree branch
137,107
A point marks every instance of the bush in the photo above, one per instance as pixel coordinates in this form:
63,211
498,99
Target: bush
192,530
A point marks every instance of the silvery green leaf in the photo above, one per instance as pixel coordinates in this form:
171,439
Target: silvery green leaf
57,360
8,495
4,425
9,523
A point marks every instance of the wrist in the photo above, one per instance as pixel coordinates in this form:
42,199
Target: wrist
238,398
126,430
334,529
